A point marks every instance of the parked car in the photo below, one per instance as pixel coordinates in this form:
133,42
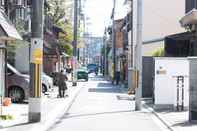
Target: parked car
47,83
82,73
18,84
54,75
92,68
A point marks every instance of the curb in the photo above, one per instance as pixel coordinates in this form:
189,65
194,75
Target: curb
45,125
149,108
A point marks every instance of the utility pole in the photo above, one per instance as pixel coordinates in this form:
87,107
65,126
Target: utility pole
114,40
130,54
138,56
75,42
105,53
79,25
84,31
36,55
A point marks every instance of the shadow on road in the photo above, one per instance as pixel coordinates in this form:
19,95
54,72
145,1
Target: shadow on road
125,98
18,125
184,124
67,116
105,84
104,90
106,87
94,77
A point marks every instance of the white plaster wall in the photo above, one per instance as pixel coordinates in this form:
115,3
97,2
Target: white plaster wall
165,86
161,18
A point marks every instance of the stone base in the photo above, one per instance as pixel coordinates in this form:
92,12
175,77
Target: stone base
34,117
168,107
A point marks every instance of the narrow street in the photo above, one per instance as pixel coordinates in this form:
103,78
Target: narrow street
53,52
103,107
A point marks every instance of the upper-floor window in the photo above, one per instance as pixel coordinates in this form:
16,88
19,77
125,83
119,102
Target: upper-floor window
17,2
20,13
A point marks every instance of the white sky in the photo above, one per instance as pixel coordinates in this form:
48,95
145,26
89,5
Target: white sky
99,12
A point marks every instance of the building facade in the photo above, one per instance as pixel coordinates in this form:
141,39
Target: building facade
160,19
51,49
8,33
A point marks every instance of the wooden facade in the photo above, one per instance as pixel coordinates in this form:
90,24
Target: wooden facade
180,45
119,33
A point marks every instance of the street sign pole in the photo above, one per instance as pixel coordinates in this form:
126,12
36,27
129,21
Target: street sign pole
74,83
36,56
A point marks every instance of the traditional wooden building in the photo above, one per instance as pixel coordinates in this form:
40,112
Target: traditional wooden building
8,32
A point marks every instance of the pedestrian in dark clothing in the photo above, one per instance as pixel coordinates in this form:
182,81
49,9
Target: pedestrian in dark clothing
62,84
117,77
118,72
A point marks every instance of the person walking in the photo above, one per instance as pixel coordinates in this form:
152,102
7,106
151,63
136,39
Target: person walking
118,71
62,86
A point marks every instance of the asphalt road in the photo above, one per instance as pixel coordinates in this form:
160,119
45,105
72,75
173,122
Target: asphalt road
103,107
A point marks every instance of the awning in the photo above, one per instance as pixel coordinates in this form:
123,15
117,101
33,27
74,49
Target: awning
181,36
178,45
7,30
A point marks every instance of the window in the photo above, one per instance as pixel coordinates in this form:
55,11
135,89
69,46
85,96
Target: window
20,13
9,72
